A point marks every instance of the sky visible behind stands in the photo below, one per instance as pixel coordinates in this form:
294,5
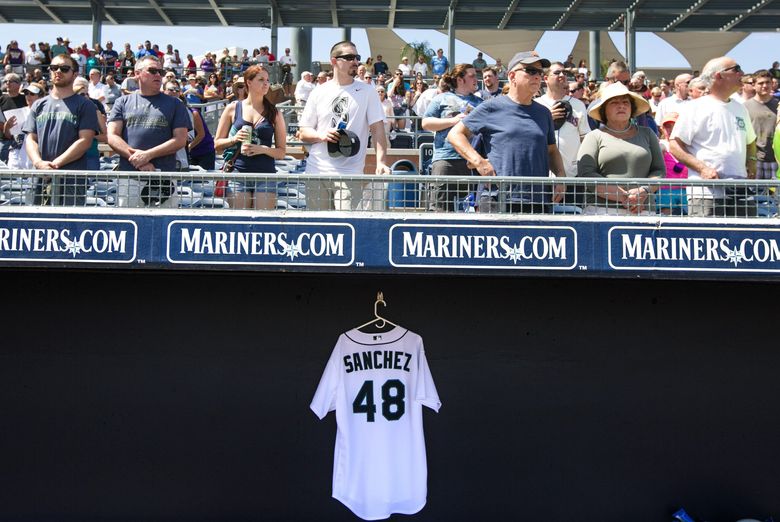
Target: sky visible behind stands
757,51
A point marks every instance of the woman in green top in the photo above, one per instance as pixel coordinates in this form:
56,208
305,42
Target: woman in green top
620,149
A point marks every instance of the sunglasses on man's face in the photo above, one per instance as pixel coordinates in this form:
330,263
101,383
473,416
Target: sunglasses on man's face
531,71
64,68
154,71
735,68
349,57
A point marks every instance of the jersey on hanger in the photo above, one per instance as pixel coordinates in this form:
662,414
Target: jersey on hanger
378,384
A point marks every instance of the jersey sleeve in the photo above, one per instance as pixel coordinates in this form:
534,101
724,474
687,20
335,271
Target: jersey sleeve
324,400
425,392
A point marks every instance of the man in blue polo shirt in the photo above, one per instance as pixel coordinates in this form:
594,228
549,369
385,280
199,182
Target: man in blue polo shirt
439,63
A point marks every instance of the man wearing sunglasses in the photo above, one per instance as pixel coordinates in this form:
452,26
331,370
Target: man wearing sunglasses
337,108
715,139
60,130
518,135
146,128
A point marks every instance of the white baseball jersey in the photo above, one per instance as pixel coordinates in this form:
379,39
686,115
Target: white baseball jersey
378,384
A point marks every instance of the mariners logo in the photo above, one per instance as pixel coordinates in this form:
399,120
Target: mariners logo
261,243
76,240
482,246
695,249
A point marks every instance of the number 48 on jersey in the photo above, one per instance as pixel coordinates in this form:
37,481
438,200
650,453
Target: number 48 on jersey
393,405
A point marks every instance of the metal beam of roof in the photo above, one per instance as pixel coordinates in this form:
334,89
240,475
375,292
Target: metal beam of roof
620,19
217,12
680,19
160,12
540,15
510,10
334,13
275,6
450,12
751,11
108,15
566,14
391,14
48,11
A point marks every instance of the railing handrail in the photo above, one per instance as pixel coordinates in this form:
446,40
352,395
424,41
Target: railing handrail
390,178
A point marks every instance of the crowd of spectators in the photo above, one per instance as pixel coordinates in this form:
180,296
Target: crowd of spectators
551,116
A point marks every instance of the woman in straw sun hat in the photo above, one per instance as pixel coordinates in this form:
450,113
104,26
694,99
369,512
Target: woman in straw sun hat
619,149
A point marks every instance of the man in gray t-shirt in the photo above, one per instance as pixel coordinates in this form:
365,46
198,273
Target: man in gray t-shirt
146,128
60,130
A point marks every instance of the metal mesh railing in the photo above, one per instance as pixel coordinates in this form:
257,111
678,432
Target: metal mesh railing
291,189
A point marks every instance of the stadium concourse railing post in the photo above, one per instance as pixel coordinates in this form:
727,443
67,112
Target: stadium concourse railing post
400,191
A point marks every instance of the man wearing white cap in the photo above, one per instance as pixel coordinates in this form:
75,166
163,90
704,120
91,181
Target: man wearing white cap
304,87
518,135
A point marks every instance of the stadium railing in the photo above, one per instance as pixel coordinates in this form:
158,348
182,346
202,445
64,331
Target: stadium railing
404,190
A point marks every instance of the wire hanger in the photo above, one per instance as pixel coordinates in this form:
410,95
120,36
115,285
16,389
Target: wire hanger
378,320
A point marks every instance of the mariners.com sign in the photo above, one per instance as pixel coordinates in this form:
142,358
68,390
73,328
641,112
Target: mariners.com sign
382,245
74,240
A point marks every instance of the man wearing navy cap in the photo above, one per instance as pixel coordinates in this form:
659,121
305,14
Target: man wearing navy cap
518,135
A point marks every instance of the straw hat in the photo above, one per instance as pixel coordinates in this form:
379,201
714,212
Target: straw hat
615,90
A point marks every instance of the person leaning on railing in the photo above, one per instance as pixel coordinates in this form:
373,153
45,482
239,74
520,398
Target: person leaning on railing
620,149
518,136
715,139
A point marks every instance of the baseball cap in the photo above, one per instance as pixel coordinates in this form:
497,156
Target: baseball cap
33,88
347,146
527,57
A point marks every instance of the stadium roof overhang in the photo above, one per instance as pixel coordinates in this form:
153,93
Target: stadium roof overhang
542,15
